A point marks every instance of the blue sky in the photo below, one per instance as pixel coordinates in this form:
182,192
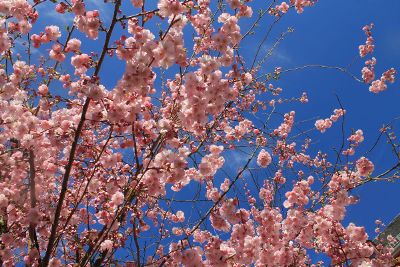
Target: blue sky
328,33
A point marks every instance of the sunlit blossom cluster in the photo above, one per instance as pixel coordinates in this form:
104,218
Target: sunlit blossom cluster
323,125
368,71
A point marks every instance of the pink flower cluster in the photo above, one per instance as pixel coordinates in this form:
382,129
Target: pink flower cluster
368,72
264,159
369,46
322,125
244,10
344,180
51,33
5,42
106,245
364,166
211,163
87,22
19,9
239,131
380,85
25,15
73,45
355,139
23,26
170,49
299,5
81,63
278,177
283,7
56,53
286,127
137,3
227,37
170,7
299,195
202,97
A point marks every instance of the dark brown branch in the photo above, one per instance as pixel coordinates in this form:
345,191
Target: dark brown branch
32,188
68,168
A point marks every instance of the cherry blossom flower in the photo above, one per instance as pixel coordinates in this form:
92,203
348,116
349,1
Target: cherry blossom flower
264,159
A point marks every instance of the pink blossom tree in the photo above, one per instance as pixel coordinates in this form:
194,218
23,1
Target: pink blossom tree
133,173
